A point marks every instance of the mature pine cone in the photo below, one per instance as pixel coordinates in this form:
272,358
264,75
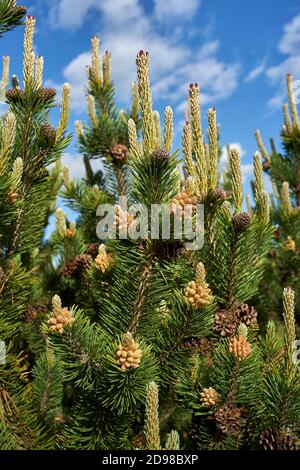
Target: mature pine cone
246,314
48,133
76,266
119,152
14,95
205,346
34,311
160,155
271,439
46,94
92,249
226,322
219,194
171,251
138,441
241,221
228,419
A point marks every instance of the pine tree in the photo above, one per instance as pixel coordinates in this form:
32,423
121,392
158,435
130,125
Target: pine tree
283,168
28,145
135,342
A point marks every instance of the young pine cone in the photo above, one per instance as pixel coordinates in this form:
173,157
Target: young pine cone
92,249
209,396
129,354
119,152
197,293
123,220
246,314
60,317
171,251
102,259
183,202
290,244
239,347
228,419
225,322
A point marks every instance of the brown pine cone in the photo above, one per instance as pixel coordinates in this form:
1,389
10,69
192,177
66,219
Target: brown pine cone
288,442
14,95
34,311
76,266
48,133
246,314
226,322
271,439
171,251
92,249
119,152
160,156
205,346
46,94
83,262
228,419
219,194
241,221
138,441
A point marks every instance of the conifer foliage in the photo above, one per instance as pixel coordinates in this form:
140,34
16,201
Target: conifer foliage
135,342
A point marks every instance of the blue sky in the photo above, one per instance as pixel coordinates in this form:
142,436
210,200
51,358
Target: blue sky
238,52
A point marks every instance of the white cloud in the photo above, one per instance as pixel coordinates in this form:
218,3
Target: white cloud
126,29
247,171
169,10
256,72
74,161
288,44
70,13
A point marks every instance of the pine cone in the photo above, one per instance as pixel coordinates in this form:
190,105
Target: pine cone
48,133
129,353
92,249
288,442
241,221
290,244
46,94
209,396
177,206
15,95
160,156
226,322
119,152
205,346
246,314
171,251
76,266
197,295
219,194
239,347
60,319
138,441
83,261
34,311
228,419
271,439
